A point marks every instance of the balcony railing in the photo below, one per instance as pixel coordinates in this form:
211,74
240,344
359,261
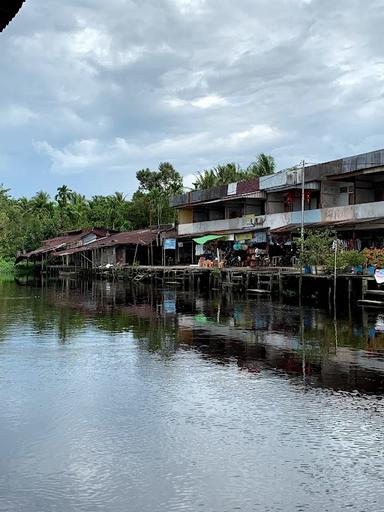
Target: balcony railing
327,216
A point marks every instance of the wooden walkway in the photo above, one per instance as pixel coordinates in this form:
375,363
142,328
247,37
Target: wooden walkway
278,281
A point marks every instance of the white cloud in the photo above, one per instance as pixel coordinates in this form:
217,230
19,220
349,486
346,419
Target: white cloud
189,7
85,155
208,101
203,102
116,86
189,180
16,116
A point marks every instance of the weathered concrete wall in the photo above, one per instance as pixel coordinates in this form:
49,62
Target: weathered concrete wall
275,203
219,225
332,193
281,179
364,191
354,212
351,213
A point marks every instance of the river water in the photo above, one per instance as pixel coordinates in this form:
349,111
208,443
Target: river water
117,399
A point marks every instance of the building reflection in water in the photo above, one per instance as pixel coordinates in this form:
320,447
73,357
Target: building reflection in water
308,344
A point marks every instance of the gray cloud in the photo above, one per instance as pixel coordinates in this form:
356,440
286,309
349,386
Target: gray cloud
91,89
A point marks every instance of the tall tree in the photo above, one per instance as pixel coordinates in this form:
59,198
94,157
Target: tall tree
264,165
206,179
166,179
160,186
63,196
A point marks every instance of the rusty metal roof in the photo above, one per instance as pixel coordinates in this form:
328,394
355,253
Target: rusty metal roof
137,237
8,10
60,242
241,188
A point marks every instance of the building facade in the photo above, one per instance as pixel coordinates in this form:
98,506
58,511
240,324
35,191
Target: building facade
345,194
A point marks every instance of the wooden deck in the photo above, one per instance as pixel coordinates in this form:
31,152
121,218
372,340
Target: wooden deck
251,281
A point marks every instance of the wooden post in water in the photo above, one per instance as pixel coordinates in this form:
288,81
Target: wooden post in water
335,275
300,287
329,294
364,287
349,291
134,257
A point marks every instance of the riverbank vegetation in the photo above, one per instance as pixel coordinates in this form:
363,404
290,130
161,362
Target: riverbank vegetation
25,222
319,252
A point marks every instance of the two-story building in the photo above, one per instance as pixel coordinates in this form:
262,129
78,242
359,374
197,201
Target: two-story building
233,211
345,194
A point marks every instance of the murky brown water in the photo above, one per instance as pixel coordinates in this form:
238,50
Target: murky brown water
141,400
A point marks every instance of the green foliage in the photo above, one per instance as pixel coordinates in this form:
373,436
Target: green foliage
344,260
354,258
318,251
156,189
317,247
263,166
231,173
25,223
166,179
7,265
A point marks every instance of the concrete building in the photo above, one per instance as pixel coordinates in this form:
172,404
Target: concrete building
347,194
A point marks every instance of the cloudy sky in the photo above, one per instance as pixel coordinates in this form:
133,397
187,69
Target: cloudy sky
93,90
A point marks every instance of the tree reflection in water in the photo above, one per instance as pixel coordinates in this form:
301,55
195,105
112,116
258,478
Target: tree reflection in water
259,334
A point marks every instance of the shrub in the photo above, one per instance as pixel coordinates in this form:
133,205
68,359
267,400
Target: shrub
317,248
7,265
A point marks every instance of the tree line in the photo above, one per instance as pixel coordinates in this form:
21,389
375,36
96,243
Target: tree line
25,222
264,165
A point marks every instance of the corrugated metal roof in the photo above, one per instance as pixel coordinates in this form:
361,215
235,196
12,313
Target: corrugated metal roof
345,165
137,237
8,10
54,244
216,193
246,187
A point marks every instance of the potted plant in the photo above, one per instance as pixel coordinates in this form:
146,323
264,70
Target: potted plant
356,260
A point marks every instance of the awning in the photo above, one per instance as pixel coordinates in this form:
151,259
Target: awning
348,223
207,238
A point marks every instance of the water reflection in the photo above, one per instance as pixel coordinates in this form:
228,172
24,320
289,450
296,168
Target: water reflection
117,398
345,353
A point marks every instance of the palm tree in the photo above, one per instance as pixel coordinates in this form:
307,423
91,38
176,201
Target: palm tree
263,166
205,179
77,209
228,173
63,196
117,206
41,203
